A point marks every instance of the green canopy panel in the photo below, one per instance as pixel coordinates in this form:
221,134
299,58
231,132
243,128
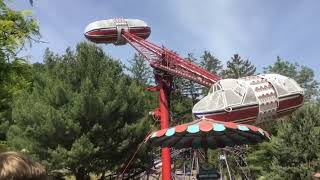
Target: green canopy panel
207,133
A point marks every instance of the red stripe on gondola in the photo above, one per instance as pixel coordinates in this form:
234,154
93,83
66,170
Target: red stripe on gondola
290,102
100,32
235,115
252,121
107,39
113,31
101,39
110,35
139,30
244,121
286,112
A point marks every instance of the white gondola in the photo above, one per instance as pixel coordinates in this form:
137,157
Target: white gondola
251,100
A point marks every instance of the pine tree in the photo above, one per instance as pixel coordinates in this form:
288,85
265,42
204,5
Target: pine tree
140,69
211,64
191,88
83,114
184,95
238,67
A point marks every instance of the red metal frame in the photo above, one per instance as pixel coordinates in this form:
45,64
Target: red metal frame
168,64
165,84
167,61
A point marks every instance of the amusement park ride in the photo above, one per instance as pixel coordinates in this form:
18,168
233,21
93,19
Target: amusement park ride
225,117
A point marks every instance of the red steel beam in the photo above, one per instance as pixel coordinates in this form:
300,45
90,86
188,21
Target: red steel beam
164,97
169,62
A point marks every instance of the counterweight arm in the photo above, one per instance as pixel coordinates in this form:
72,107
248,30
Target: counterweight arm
167,61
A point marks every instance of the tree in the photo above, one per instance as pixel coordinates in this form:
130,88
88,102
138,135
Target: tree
82,114
302,74
185,94
211,64
295,152
17,28
238,67
140,69
191,88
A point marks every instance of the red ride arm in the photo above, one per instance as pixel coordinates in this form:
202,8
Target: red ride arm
165,60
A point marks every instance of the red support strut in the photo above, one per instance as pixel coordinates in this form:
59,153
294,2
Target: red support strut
165,84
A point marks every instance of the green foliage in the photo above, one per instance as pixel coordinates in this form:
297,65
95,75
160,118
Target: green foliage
16,29
211,64
186,87
185,94
297,146
180,108
238,67
302,74
294,152
82,114
259,159
140,69
190,88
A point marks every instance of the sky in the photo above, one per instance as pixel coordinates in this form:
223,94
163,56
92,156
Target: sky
257,30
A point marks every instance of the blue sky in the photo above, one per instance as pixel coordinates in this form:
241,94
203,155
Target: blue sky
258,30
